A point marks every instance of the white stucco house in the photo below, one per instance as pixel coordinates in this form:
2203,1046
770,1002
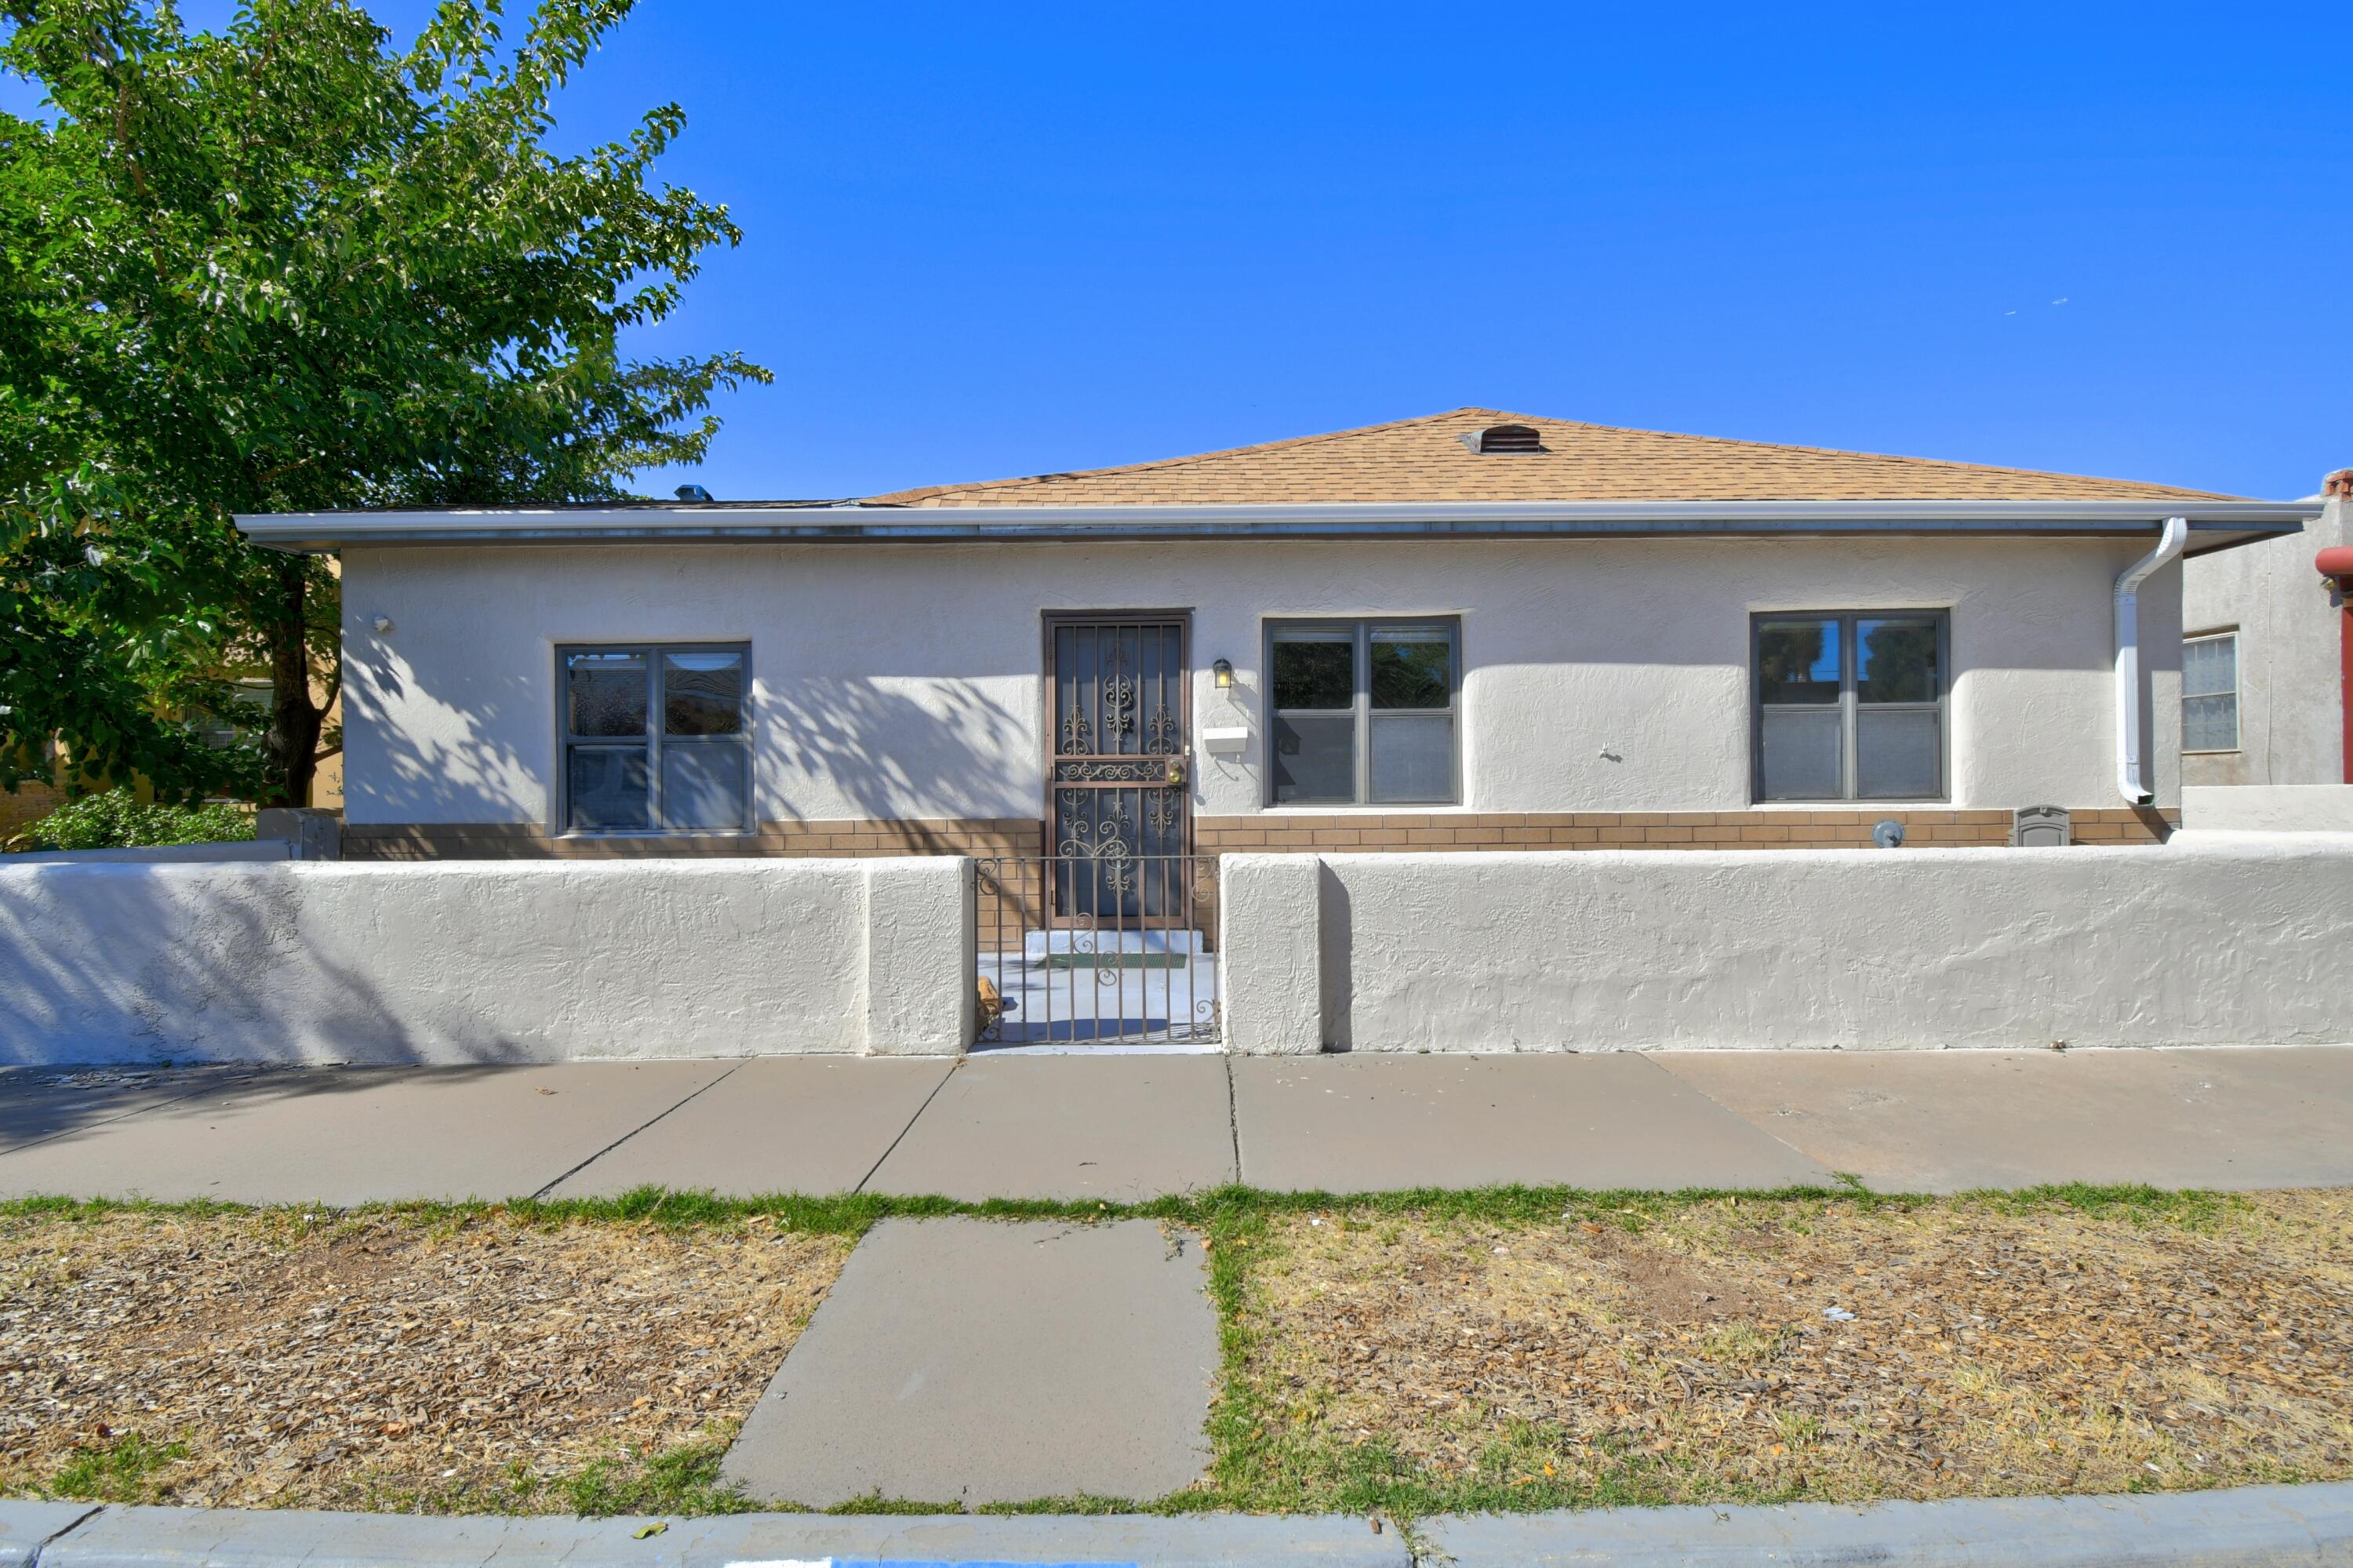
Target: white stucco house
1472,629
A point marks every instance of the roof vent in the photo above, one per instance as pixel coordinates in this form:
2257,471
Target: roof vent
1508,439
693,492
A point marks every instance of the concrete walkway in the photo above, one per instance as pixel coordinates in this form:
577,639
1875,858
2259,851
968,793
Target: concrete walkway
1124,1127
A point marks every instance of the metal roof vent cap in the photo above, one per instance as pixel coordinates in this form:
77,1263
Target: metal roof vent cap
1506,439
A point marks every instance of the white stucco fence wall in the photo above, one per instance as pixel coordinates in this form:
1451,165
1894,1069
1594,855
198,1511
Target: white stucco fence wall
2240,943
483,962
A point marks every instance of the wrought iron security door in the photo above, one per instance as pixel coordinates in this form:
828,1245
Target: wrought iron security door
1119,816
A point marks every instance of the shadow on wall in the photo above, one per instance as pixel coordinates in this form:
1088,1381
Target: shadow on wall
464,766
898,748
943,750
117,975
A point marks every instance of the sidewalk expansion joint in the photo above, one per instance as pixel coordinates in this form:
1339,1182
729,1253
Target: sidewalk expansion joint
33,1559
633,1132
911,1121
1233,1117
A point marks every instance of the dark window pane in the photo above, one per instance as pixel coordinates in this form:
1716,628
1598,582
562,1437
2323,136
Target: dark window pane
1315,669
1898,661
1412,669
1797,662
608,787
1413,758
1800,755
707,785
607,692
1315,758
702,693
1897,756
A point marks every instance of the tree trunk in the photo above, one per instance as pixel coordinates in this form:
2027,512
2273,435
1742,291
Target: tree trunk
292,743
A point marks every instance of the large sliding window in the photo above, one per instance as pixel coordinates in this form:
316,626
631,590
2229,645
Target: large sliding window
1363,711
1849,706
656,740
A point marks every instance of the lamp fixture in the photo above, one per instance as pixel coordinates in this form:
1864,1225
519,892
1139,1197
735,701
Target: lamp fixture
1223,670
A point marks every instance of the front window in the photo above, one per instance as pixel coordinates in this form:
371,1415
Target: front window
1363,711
2209,692
657,739
1849,706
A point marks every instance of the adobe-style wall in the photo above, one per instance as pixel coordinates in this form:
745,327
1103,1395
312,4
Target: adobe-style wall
321,961
900,684
2219,943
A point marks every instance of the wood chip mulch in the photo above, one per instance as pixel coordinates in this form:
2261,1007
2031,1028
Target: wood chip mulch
1708,1354
384,1359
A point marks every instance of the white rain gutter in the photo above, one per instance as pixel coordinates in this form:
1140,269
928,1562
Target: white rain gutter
2129,782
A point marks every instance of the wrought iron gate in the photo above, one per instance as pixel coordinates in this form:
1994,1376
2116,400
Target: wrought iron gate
1120,799
1106,936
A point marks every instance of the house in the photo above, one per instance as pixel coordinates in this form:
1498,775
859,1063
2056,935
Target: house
1475,629
2267,655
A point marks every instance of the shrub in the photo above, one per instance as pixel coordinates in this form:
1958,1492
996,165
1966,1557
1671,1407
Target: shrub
116,820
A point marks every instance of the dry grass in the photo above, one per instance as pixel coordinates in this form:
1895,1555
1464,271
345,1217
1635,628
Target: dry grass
1686,1355
458,1361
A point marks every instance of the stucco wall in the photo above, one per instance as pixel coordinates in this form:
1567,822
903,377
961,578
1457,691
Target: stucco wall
1862,949
2291,713
2268,808
902,682
310,962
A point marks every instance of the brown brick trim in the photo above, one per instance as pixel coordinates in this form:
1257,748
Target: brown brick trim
1361,832
1367,832
523,841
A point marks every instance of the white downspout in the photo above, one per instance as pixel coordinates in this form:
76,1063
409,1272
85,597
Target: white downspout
2129,782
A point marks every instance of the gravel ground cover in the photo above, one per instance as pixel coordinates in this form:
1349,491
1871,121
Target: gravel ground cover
1404,1354
478,1361
1751,1350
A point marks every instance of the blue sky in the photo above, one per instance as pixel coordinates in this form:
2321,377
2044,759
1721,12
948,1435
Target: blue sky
993,239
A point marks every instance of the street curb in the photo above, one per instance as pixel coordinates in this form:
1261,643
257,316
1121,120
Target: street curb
2240,1527
2249,1527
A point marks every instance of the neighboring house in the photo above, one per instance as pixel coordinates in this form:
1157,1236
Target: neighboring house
2267,655
1476,629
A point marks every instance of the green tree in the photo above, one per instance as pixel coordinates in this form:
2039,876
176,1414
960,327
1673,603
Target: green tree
286,267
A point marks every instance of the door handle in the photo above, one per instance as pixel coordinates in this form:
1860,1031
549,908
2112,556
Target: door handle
1175,770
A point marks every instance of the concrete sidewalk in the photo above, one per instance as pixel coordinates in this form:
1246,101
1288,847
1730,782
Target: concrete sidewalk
1127,1128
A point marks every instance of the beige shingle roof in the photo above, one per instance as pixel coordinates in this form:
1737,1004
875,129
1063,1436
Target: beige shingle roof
1426,460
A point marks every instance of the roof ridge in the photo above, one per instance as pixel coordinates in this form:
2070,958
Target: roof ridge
922,491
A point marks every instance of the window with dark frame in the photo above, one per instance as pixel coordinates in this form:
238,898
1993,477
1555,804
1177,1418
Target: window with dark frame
657,738
2209,692
1849,706
1363,711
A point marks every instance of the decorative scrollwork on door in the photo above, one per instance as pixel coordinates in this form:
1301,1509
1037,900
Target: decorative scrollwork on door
1119,812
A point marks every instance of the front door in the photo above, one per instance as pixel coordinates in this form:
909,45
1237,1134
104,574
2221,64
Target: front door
1119,798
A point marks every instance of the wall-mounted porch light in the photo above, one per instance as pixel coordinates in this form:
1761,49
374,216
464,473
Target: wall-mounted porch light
1223,670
